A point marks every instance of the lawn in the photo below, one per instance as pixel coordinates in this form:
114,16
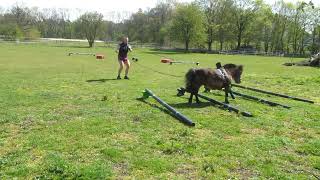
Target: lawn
65,117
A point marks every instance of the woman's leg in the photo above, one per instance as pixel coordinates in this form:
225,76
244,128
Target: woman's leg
120,67
127,63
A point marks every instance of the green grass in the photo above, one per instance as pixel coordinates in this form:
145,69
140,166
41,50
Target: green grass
56,125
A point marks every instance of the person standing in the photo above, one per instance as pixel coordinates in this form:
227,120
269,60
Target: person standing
123,49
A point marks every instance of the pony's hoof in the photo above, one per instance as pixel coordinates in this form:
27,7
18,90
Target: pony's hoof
226,102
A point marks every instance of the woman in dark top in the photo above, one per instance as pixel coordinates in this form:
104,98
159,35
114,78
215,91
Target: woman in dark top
123,50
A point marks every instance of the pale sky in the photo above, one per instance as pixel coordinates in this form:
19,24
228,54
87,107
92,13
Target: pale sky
109,8
106,5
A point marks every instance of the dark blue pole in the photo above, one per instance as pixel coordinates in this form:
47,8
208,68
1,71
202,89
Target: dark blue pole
261,100
226,106
272,93
176,113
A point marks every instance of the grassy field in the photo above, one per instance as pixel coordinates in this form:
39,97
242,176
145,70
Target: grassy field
65,117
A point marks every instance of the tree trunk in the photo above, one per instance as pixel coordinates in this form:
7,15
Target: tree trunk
210,46
266,46
210,39
91,43
281,38
314,48
239,39
302,42
187,45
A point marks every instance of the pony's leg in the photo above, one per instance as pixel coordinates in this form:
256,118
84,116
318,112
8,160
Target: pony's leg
206,89
232,96
226,95
231,93
190,98
197,99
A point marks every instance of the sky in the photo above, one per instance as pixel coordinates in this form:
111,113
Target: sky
106,5
109,8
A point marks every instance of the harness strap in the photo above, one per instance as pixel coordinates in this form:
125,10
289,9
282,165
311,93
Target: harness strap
224,76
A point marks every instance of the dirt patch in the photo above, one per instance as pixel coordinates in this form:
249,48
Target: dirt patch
127,137
27,123
136,119
187,172
245,173
121,170
202,133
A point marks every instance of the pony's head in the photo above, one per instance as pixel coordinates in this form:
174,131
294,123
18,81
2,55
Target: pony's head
235,71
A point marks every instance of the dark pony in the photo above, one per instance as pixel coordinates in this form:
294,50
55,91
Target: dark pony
213,79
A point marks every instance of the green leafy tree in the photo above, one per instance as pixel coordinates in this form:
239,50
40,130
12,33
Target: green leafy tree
244,13
187,24
210,8
11,31
258,33
32,34
225,22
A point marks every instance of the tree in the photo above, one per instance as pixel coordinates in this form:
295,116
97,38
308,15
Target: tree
158,18
280,23
90,25
32,34
187,24
11,31
314,25
244,13
209,7
225,22
258,33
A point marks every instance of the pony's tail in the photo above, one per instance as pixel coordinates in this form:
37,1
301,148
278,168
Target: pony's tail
190,76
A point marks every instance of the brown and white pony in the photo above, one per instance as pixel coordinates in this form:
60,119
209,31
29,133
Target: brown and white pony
215,79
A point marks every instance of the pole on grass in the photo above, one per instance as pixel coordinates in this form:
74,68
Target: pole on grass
226,106
147,93
181,92
274,94
270,103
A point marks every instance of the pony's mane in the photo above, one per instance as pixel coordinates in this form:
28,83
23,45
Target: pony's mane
229,66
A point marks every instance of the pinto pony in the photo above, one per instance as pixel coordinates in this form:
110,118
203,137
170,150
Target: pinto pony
213,79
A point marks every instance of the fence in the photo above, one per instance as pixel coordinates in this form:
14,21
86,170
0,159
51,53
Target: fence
256,53
113,44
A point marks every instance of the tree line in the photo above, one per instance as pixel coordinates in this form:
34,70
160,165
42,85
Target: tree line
214,25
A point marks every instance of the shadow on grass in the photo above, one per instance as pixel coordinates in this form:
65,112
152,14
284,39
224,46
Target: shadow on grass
101,80
215,93
193,105
160,108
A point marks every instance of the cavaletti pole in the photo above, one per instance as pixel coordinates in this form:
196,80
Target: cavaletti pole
274,94
77,53
147,93
226,106
270,103
181,92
